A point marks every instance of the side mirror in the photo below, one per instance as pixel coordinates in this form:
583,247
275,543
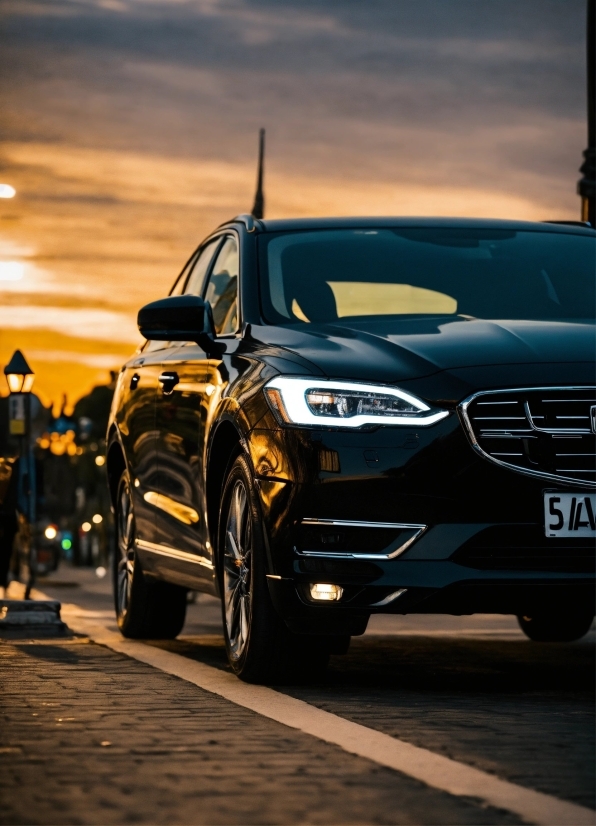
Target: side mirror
180,318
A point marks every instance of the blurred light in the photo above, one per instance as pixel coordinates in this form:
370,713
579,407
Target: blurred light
86,526
97,518
50,532
17,383
7,191
57,447
18,374
100,461
325,592
66,544
11,270
137,483
100,572
71,449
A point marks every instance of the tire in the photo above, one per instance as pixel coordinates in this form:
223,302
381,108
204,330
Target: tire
145,609
567,627
259,646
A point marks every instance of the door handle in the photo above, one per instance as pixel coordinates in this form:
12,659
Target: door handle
168,380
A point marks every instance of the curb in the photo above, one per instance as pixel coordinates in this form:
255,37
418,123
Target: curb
31,617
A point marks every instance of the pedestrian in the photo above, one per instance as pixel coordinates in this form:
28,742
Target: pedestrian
8,517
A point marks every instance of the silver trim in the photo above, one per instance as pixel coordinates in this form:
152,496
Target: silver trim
556,431
346,523
173,553
395,595
463,411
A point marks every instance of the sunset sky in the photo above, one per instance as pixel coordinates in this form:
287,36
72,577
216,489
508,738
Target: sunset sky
129,130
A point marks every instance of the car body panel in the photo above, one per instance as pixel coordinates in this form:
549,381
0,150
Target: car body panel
179,423
135,422
294,224
390,351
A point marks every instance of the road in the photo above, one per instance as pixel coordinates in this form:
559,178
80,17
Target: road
469,688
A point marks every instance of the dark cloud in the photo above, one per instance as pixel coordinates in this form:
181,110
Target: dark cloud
461,91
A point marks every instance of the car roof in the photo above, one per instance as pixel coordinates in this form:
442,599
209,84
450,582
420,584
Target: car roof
290,224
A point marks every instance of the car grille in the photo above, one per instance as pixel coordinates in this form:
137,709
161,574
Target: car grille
525,548
545,432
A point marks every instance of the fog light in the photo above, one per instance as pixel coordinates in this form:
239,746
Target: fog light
326,593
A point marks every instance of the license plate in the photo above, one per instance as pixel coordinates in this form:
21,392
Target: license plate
570,514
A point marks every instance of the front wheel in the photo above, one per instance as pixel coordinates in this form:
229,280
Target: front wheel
552,627
259,646
145,609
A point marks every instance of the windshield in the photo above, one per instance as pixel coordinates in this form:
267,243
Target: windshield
326,275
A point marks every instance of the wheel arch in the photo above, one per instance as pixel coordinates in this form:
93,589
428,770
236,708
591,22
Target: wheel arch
226,445
115,464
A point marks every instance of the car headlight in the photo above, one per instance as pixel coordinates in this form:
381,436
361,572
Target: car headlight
328,403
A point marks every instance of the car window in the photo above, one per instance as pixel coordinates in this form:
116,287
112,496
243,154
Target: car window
326,275
222,288
179,283
199,269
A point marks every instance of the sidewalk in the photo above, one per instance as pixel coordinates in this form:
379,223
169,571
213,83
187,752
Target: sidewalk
90,736
91,733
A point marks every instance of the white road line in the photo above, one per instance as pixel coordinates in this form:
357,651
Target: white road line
433,769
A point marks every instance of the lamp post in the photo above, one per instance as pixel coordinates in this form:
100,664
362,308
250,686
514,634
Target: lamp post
20,378
586,186
19,375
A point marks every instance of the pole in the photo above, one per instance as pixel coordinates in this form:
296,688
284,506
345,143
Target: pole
30,494
586,186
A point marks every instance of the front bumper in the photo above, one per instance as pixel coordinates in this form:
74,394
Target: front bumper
483,548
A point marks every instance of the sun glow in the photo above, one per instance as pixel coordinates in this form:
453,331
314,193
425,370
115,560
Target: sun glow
11,270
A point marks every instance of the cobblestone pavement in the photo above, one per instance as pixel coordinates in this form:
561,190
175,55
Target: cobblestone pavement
470,688
90,736
509,708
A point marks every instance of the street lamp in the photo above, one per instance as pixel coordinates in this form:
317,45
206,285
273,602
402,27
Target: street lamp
20,377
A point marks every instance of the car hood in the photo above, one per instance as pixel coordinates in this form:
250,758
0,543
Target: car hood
392,351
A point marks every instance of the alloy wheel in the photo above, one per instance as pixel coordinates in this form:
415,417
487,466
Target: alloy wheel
237,570
125,559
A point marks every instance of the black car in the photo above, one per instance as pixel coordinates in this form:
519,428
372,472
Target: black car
338,417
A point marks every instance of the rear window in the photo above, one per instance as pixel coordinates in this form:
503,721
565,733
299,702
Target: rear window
328,275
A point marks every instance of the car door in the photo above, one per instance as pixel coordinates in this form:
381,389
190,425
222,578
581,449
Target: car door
138,431
179,499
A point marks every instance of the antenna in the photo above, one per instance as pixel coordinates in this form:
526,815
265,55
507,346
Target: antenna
258,208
